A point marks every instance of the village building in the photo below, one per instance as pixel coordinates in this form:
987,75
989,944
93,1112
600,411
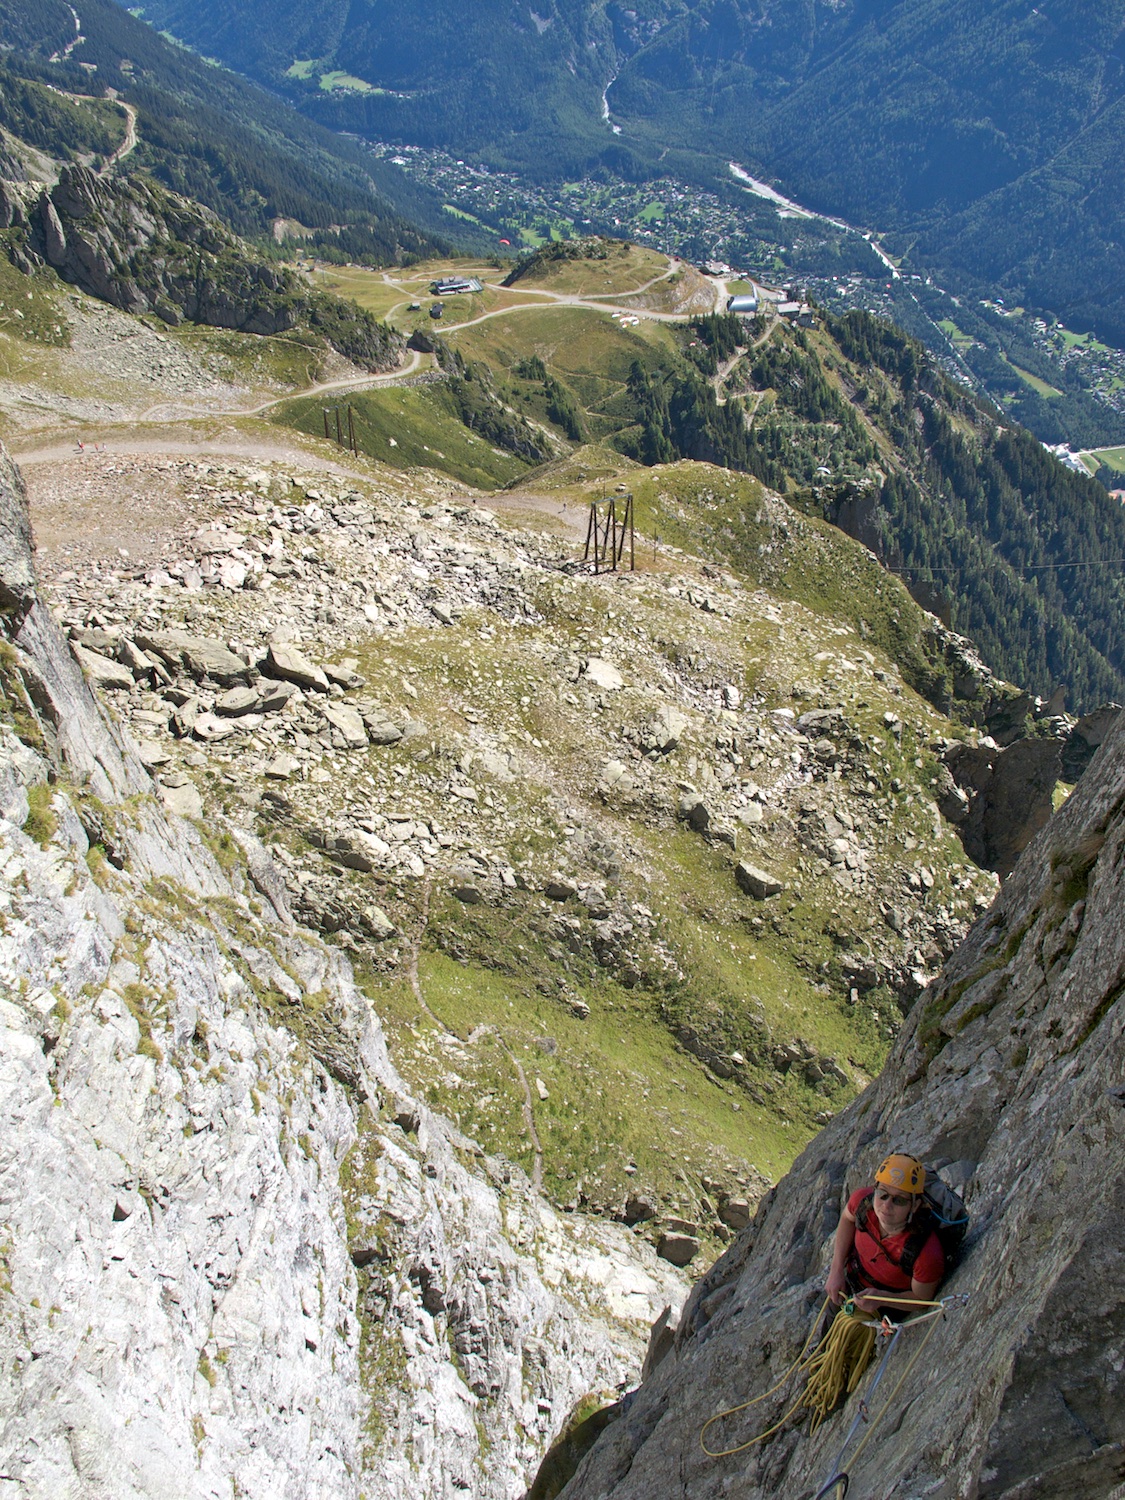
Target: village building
449,286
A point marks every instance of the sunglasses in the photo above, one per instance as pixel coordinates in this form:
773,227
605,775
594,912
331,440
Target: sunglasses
897,1199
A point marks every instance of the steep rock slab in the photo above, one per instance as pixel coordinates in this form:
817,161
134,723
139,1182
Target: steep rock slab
1009,1069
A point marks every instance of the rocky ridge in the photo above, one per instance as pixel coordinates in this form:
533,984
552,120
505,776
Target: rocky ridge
144,249
237,1257
1007,1078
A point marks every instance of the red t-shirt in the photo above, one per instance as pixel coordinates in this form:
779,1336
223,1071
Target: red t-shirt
878,1257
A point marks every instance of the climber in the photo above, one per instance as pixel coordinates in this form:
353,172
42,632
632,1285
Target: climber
886,1249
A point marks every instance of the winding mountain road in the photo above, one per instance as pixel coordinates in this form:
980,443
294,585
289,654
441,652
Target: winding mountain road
130,141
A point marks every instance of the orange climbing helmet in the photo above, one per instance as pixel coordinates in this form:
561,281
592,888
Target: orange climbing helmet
902,1172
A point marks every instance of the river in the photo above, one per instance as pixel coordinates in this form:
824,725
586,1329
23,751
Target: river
790,210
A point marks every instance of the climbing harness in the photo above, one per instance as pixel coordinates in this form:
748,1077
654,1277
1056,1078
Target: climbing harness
836,1367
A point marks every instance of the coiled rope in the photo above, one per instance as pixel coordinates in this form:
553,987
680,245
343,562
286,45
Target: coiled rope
837,1477
733,1410
835,1368
838,1364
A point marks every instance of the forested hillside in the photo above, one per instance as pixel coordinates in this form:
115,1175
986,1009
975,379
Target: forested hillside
508,82
989,136
862,427
203,132
856,422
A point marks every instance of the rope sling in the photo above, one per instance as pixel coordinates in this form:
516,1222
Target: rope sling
834,1370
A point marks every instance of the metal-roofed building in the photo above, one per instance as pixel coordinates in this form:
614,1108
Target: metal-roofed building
449,286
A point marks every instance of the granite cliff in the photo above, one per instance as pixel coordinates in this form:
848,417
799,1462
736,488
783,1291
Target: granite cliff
1008,1077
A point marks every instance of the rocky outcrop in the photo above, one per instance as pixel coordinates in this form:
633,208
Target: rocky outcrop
1007,1074
144,249
235,1256
1001,794
1010,797
39,673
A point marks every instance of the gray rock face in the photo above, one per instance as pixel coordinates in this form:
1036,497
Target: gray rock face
192,1140
1014,789
45,674
1009,1070
142,248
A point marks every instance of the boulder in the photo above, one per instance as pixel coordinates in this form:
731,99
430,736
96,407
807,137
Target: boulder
615,773
209,728
238,701
232,574
359,850
695,812
639,1208
677,1249
381,728
757,883
603,674
185,800
347,721
288,664
138,662
197,655
666,729
152,755
377,924
106,673
735,1213
343,673
274,696
216,543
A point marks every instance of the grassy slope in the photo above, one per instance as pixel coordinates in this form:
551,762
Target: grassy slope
622,1091
620,1094
408,429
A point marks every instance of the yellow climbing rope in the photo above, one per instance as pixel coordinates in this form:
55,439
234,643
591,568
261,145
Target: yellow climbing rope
902,1379
835,1368
734,1410
839,1362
